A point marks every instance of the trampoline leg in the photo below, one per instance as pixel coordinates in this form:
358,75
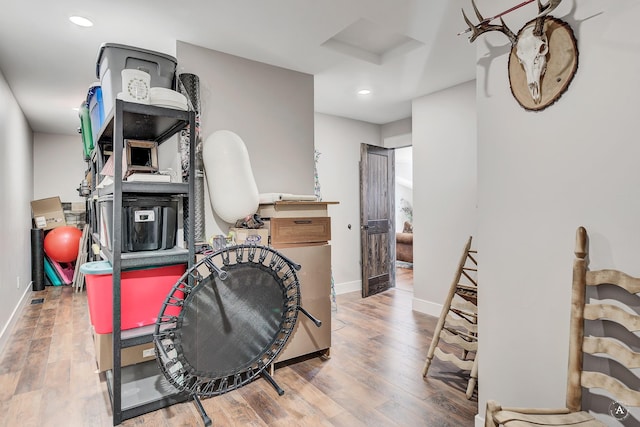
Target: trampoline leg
317,322
203,414
273,383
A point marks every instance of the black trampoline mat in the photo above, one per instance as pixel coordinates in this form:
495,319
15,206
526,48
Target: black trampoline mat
226,325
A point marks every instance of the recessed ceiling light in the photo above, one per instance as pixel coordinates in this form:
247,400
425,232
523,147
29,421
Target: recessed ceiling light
81,21
364,92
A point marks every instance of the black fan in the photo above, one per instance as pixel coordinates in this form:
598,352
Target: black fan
226,320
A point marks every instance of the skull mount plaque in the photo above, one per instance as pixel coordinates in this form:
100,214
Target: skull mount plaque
543,58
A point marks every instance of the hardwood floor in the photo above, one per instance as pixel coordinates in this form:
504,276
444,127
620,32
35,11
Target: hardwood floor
373,378
404,278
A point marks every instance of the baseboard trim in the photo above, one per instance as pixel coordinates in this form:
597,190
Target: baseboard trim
426,307
479,421
344,288
13,319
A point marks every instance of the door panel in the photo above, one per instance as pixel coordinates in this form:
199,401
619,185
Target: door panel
377,180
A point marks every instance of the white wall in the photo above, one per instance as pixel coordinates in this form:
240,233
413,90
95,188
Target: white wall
395,129
540,176
58,166
270,108
338,141
16,190
444,191
396,134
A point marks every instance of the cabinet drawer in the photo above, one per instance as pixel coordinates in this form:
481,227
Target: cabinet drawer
300,230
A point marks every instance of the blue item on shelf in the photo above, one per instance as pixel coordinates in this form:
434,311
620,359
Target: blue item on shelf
96,108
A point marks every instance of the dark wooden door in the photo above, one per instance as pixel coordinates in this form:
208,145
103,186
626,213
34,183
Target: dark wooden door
377,236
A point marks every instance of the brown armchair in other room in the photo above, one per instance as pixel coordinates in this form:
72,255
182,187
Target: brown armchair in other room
404,244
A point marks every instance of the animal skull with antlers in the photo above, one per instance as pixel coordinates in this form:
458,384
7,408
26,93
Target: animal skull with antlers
530,45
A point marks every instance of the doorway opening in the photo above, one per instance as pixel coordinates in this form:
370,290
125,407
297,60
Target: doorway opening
404,217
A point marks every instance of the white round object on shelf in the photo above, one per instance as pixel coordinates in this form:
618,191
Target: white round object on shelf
232,188
164,97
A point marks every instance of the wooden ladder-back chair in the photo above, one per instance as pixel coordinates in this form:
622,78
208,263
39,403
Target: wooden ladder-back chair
458,323
603,353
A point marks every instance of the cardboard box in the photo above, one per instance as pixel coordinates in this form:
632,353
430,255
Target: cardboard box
258,236
48,213
130,356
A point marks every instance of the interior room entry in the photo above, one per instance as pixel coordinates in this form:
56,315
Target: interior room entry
377,228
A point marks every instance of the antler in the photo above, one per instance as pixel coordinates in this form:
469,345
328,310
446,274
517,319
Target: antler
543,11
484,26
550,7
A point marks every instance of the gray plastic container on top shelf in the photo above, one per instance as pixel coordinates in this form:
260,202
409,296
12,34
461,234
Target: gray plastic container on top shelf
113,58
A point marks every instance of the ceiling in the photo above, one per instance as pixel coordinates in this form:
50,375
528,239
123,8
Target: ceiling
399,49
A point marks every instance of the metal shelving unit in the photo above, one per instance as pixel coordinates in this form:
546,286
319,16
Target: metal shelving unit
141,388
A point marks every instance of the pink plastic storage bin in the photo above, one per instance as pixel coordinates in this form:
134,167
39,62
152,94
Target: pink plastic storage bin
142,293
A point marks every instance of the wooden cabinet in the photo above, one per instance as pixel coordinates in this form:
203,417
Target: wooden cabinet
315,290
301,231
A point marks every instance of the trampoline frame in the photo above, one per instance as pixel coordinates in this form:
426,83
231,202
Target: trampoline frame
215,268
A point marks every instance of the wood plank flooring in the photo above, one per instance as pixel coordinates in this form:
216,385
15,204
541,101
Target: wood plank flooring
404,279
373,378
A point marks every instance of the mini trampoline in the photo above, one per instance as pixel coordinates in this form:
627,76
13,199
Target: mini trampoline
226,319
